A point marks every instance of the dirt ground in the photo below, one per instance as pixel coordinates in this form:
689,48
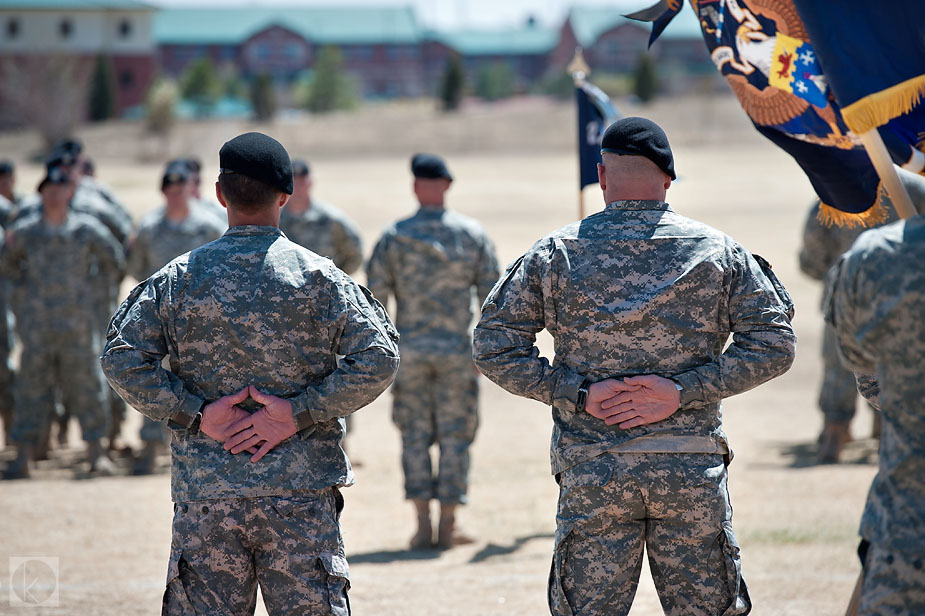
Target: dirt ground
516,172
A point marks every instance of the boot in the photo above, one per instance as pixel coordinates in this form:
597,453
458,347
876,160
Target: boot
834,438
146,461
40,452
99,460
447,533
19,468
63,421
423,538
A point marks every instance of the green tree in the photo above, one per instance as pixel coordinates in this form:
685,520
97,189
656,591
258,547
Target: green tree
201,84
451,85
102,91
331,88
161,100
263,97
495,82
645,83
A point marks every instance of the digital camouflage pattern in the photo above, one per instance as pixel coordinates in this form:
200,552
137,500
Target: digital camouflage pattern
293,545
157,242
876,304
326,231
435,263
638,289
612,506
48,269
635,289
894,583
252,308
6,343
6,211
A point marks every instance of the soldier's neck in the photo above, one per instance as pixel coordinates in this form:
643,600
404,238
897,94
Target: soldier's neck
55,215
177,209
299,204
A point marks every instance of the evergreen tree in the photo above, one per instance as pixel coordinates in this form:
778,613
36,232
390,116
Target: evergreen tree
102,91
263,97
331,88
645,86
495,82
201,84
451,86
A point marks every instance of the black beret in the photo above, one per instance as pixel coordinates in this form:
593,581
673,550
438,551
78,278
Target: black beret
177,172
71,145
6,167
193,163
429,167
60,156
639,137
260,157
300,167
55,175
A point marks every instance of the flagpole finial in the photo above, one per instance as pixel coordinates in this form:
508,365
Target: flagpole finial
578,68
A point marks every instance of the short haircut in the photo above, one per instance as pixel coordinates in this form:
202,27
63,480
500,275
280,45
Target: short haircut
245,193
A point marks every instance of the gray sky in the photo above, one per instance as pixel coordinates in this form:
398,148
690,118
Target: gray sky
451,14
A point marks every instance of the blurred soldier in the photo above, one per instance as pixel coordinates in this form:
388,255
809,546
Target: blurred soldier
431,263
163,235
8,198
206,202
6,375
320,227
254,326
640,302
49,259
876,303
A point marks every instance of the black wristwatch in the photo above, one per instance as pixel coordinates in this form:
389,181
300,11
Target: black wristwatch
582,395
194,425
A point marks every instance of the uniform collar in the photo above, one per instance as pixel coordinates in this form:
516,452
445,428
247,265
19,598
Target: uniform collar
253,230
638,204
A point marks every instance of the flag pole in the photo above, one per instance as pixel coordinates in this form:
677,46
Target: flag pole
579,70
879,156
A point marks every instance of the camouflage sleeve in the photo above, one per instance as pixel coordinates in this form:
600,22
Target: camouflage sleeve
131,360
367,342
819,250
348,246
110,254
763,342
842,306
504,341
136,264
488,273
11,257
869,388
379,275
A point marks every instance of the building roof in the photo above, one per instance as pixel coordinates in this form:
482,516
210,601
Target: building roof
343,25
522,41
74,5
589,22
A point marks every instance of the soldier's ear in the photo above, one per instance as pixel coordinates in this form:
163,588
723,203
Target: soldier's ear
283,199
220,196
602,176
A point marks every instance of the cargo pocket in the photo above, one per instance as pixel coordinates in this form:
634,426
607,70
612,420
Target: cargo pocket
555,593
175,600
337,575
740,603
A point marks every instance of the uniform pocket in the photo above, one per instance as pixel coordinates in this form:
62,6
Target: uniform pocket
175,600
337,573
740,603
555,593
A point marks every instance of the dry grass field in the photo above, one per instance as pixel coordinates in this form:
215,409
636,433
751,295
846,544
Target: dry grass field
516,172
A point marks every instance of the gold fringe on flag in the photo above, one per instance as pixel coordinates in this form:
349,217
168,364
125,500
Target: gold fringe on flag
879,108
873,216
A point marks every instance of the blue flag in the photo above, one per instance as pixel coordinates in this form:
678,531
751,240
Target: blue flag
763,49
595,114
874,59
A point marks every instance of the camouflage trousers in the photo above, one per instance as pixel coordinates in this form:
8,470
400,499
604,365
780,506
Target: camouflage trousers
436,402
894,583
676,506
839,389
62,366
290,546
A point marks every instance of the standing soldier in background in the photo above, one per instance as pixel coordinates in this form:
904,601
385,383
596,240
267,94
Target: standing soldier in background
431,263
48,260
640,302
8,198
822,246
876,302
163,235
205,202
7,209
269,347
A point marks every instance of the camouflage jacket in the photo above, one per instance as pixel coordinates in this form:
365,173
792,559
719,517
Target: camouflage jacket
877,303
431,263
159,240
51,269
325,230
88,201
635,289
252,308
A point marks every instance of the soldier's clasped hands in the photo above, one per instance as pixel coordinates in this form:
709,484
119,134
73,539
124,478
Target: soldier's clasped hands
634,401
264,429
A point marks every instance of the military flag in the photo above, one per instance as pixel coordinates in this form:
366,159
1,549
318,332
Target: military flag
763,49
595,113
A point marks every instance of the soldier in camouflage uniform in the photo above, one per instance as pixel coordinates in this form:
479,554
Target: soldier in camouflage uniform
269,347
48,260
7,208
206,204
431,263
640,302
822,246
8,198
876,303
163,235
